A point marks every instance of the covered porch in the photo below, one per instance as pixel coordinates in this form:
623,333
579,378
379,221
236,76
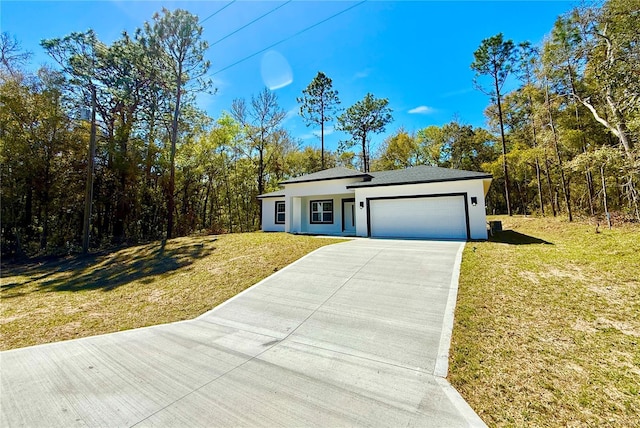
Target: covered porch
321,214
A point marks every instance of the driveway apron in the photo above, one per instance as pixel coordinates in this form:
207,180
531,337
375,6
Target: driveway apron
353,334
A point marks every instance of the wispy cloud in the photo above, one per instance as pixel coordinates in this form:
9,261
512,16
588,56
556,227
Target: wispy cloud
316,134
422,110
328,130
291,113
362,74
219,85
205,100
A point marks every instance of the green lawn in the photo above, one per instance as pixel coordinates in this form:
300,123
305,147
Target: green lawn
137,286
547,327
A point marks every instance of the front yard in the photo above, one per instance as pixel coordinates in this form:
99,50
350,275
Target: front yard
137,286
547,328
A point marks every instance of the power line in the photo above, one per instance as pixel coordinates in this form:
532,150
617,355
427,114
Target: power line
218,11
288,38
255,20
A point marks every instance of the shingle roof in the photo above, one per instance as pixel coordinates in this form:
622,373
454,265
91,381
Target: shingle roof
327,174
276,194
418,174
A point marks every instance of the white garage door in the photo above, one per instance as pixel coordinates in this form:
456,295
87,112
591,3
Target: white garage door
441,217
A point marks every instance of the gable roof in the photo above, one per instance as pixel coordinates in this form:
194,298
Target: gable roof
328,174
418,174
276,194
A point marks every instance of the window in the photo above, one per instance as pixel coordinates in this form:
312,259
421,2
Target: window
322,212
280,212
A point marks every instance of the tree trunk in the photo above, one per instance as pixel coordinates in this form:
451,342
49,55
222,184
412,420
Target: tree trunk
229,201
150,144
504,149
45,223
604,197
88,196
365,163
619,129
565,188
121,210
322,137
539,186
588,176
550,187
633,196
28,207
215,209
203,214
174,138
589,179
260,185
538,181
537,162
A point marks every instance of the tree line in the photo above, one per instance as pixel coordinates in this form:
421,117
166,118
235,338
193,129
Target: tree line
562,141
569,131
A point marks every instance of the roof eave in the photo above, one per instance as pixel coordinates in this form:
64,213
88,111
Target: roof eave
486,182
271,196
442,180
325,179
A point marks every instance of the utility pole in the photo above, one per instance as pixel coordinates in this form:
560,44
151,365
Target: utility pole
88,197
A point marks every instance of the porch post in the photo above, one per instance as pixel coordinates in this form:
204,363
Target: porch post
288,209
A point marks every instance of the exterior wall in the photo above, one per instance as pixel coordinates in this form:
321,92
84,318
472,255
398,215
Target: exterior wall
293,215
328,187
299,197
324,229
473,188
269,215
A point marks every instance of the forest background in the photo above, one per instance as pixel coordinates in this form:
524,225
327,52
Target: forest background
563,141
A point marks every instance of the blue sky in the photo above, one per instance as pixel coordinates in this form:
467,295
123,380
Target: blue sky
415,53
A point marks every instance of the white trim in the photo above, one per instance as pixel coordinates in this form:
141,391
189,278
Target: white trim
319,205
283,212
442,361
460,403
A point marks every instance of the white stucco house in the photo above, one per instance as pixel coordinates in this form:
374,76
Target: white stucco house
418,202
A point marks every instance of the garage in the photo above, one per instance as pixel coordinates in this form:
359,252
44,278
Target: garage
422,216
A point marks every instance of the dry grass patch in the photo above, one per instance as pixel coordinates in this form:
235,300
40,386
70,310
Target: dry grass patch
137,286
547,322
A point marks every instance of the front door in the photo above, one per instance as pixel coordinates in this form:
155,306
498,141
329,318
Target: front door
349,216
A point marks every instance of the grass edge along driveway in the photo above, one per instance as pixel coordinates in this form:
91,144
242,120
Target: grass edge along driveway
547,325
138,286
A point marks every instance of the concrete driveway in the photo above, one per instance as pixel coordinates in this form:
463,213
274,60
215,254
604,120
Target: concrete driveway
354,334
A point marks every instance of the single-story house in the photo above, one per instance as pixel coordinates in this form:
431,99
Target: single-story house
417,202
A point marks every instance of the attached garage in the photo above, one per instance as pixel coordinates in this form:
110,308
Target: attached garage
419,216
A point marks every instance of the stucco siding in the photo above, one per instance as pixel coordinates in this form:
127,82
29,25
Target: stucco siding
319,188
269,215
334,228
